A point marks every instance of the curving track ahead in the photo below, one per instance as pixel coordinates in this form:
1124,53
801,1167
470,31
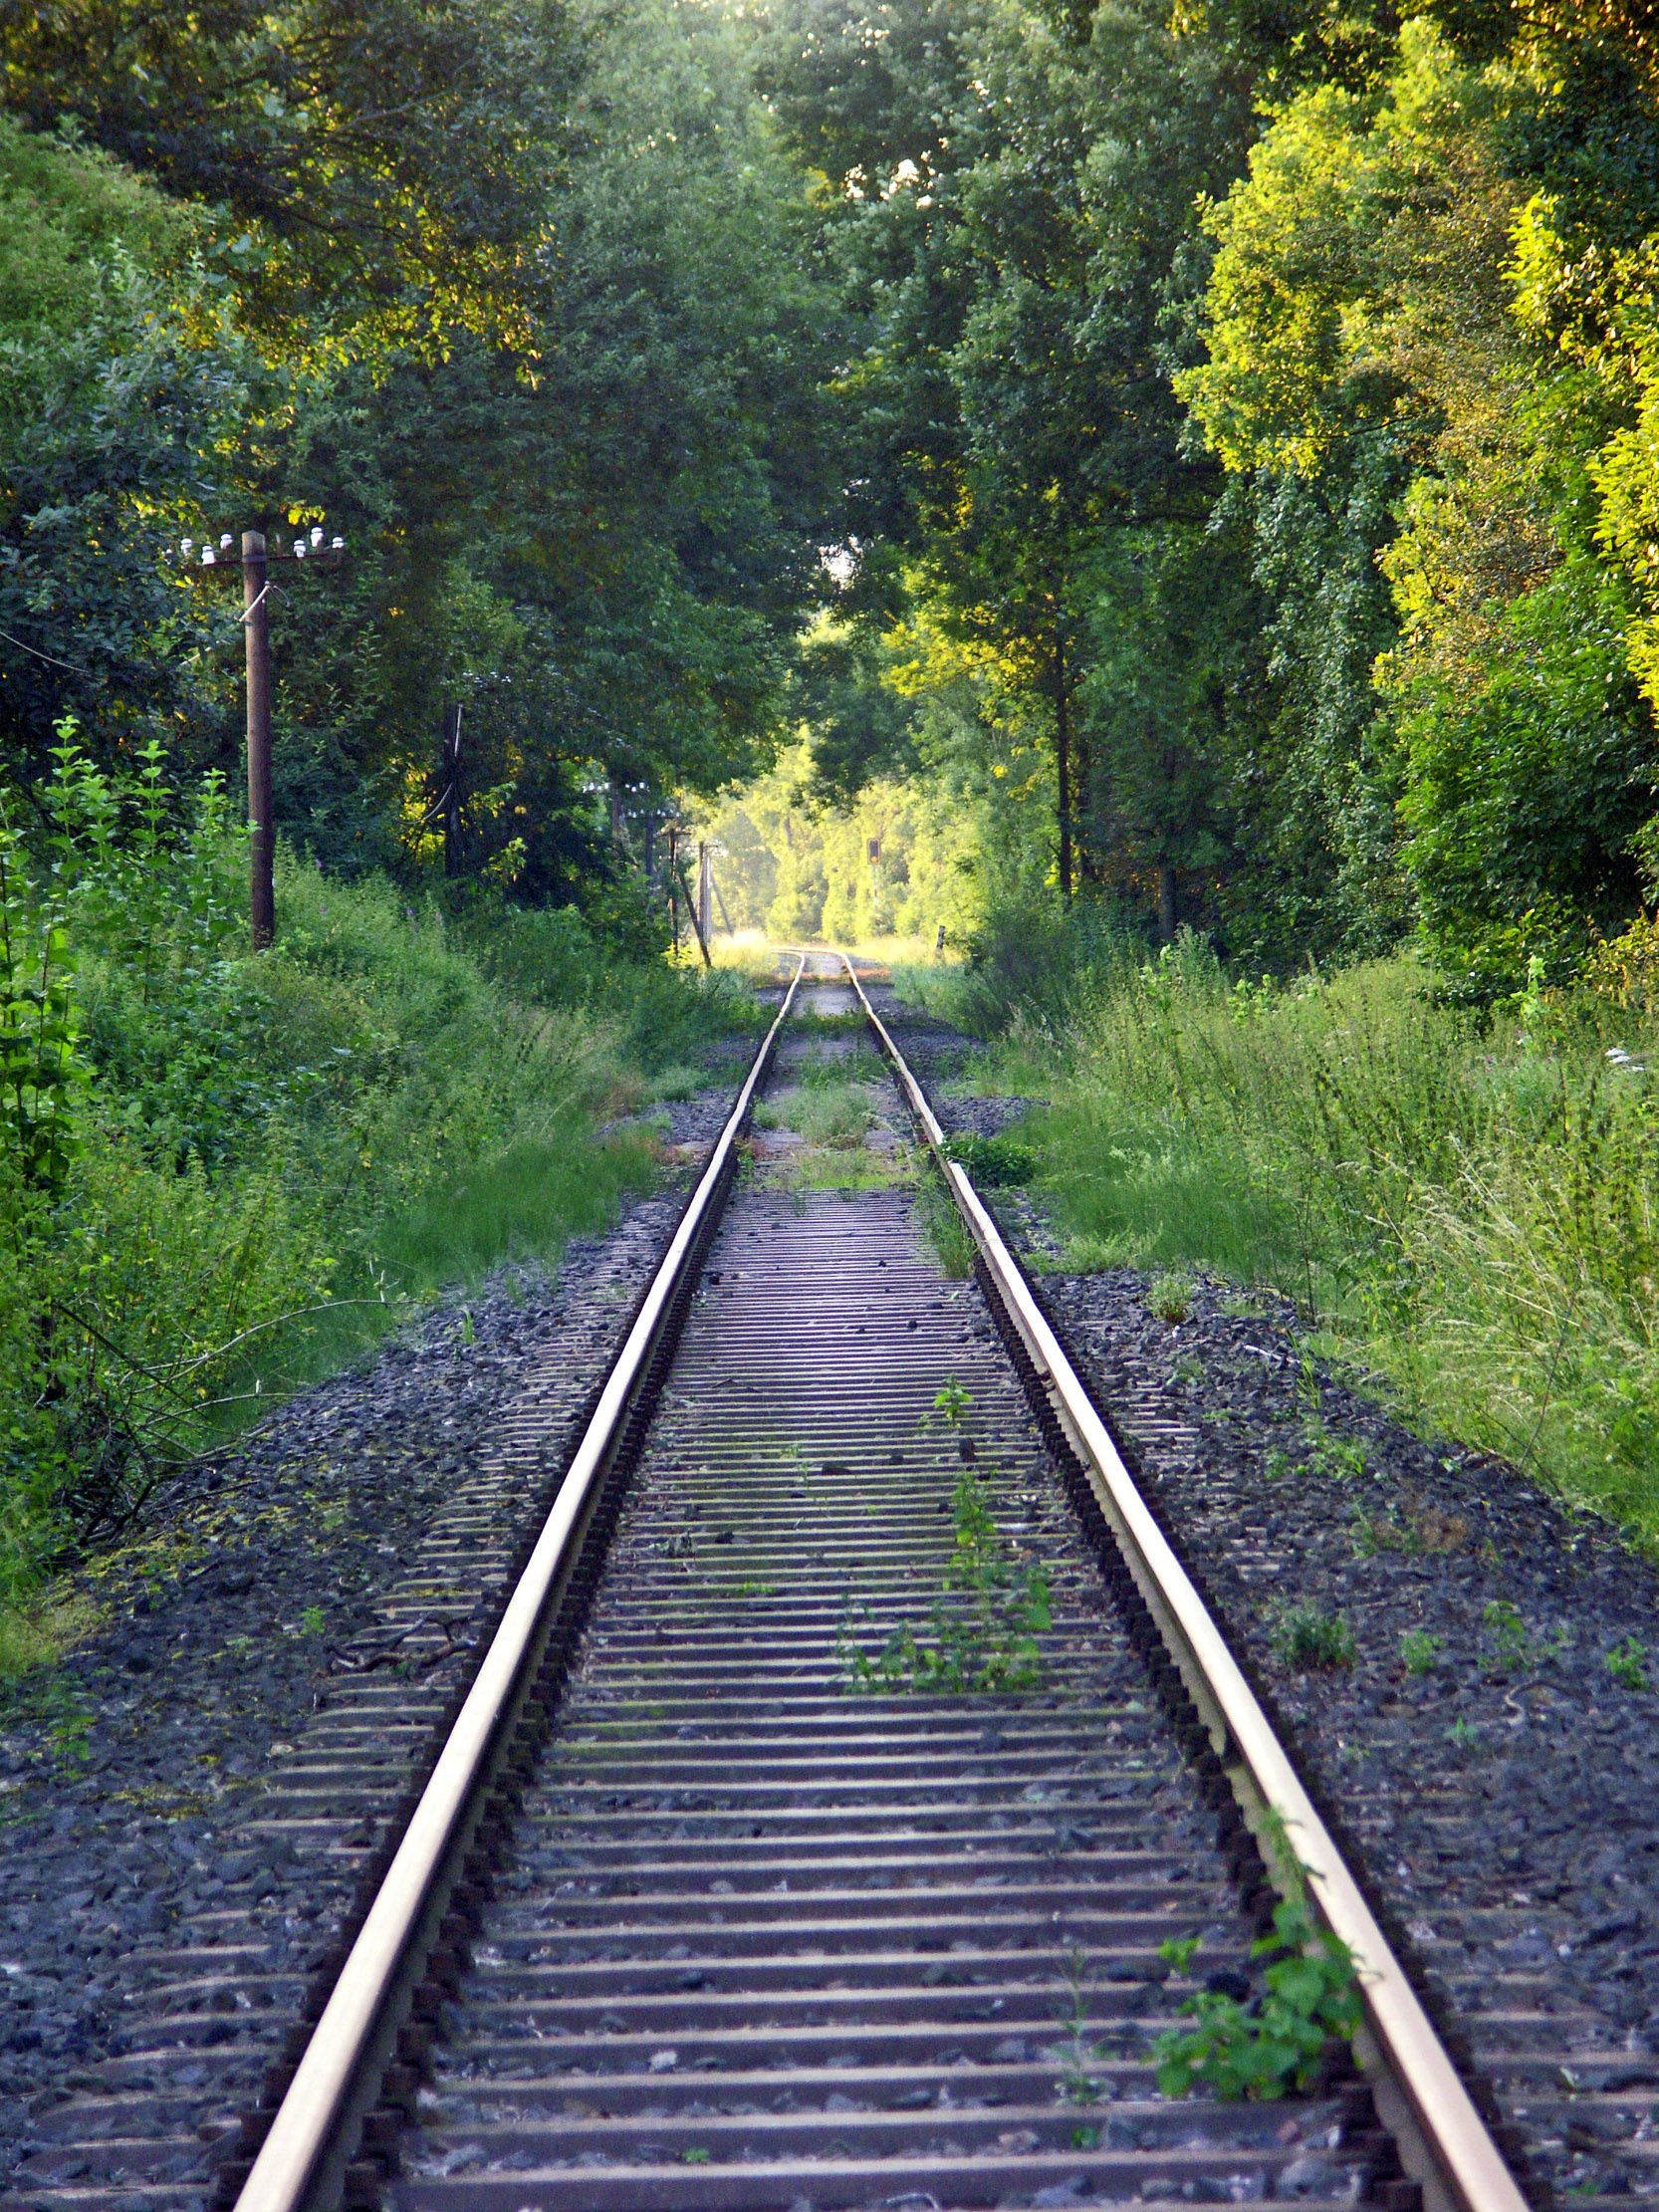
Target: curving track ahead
685,1921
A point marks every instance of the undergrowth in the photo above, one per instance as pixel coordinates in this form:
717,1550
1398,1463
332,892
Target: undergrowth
221,1176
1467,1202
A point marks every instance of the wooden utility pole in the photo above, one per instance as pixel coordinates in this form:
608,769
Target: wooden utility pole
256,624
257,557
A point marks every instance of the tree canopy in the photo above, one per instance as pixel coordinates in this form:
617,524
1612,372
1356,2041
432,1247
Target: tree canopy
1219,440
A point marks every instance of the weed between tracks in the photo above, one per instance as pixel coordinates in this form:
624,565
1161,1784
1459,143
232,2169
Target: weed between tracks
986,1620
1263,2044
983,1625
944,1228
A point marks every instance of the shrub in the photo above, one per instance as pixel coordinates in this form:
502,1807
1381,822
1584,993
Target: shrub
221,1175
994,1162
1311,1640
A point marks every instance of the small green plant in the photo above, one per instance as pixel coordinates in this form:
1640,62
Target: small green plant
985,1624
1464,1734
1309,1388
993,1162
699,2157
1311,1640
1419,1649
310,1620
1276,2041
70,1726
1277,1464
944,1228
953,1404
751,1587
1516,1645
1329,1455
1509,1631
1078,2058
1170,1297
1626,1662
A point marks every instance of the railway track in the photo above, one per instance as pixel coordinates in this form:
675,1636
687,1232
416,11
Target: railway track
749,1878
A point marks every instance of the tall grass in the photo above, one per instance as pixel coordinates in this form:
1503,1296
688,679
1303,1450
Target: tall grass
274,1158
1468,1203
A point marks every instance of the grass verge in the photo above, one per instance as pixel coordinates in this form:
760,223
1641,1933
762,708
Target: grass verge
259,1164
1469,1205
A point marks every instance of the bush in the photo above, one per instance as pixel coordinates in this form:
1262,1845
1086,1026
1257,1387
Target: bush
1041,966
663,1012
221,1175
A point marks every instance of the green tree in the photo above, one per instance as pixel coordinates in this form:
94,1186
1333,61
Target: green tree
386,165
120,385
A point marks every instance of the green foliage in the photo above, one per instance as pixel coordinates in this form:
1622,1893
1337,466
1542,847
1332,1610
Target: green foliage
65,210
953,1404
41,1067
173,1014
1170,1297
1313,1641
1419,1651
1626,1662
985,1625
1277,2041
949,1236
430,135
228,1174
993,1162
372,320
1466,1204
1526,794
1516,1645
119,387
837,1114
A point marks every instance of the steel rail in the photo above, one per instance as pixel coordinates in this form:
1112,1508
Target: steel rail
1444,2142
318,2100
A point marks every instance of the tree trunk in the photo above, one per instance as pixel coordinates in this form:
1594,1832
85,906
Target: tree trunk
1169,906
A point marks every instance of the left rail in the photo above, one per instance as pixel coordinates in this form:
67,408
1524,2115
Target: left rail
301,2165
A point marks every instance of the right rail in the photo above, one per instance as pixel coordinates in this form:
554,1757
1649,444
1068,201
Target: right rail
1444,2142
